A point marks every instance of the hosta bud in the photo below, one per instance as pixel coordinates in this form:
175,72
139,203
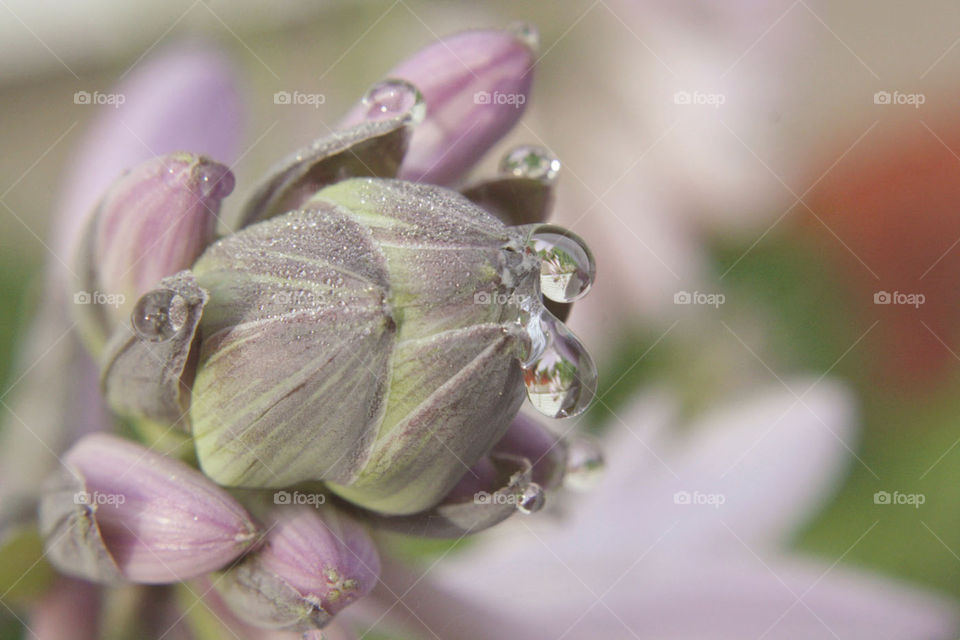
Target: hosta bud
370,340
475,85
379,339
153,222
314,563
120,511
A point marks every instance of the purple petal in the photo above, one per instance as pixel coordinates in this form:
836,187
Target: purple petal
152,223
154,518
315,562
475,85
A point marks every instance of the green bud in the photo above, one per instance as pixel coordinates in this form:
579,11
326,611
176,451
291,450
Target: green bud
371,339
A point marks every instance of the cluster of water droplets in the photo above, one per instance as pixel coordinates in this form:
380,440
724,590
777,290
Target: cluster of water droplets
560,375
159,315
395,98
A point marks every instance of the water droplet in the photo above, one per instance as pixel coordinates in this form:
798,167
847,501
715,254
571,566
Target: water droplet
567,268
395,98
159,315
584,464
531,498
214,180
527,33
563,381
531,161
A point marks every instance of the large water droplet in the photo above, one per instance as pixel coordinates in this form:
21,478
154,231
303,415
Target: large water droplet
395,98
562,382
526,33
567,268
584,464
531,161
531,498
159,315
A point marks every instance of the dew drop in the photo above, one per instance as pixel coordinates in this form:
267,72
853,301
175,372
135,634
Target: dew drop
567,268
562,382
584,464
395,98
527,33
214,180
531,498
531,161
159,315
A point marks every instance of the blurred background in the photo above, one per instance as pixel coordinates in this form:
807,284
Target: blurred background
772,190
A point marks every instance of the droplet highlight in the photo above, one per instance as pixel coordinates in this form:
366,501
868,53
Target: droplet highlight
585,464
395,98
526,33
562,381
159,315
531,161
531,498
567,268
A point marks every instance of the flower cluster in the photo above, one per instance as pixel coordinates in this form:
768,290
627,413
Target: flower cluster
351,356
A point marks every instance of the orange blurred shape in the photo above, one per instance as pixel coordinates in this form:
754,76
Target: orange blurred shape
888,215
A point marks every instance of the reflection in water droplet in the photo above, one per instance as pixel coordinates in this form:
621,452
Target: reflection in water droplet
395,98
562,382
527,33
531,498
530,161
567,268
584,464
159,315
531,310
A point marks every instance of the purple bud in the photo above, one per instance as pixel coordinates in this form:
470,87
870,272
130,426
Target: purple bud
125,512
153,222
475,85
315,562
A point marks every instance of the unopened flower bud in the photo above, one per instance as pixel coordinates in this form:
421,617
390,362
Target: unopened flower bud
121,511
315,562
475,85
153,222
362,341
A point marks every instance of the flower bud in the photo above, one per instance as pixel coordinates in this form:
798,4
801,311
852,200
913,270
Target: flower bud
475,85
124,512
314,563
361,341
153,222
